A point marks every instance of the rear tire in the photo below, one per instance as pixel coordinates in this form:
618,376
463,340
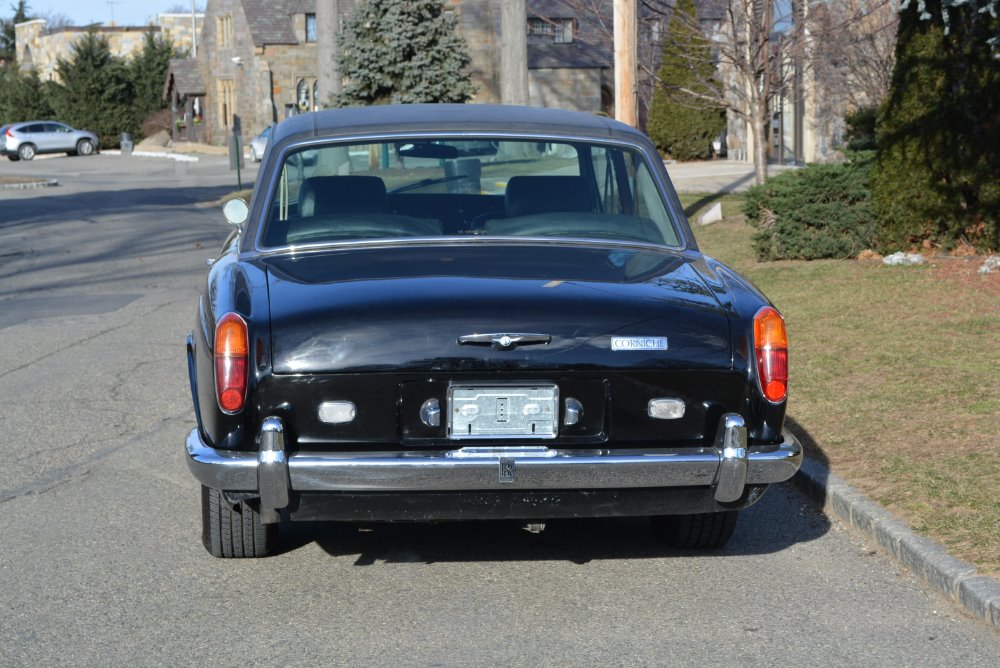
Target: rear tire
702,531
84,147
236,533
26,151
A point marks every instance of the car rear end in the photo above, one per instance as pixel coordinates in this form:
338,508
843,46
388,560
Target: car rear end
425,338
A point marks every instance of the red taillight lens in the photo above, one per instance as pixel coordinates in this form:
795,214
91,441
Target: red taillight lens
9,133
232,359
771,345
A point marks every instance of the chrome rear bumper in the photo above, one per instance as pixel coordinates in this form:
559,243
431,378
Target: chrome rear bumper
726,468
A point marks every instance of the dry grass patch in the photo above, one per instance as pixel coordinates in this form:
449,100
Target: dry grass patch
896,376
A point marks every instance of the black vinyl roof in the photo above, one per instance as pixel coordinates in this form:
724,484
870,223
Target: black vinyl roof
482,119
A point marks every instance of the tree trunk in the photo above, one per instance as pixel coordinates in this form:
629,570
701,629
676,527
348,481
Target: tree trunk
758,128
514,52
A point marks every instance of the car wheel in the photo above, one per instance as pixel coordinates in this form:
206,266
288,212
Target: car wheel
234,532
702,531
84,147
26,151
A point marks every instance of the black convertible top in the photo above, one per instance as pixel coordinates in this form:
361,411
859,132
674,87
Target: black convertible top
457,118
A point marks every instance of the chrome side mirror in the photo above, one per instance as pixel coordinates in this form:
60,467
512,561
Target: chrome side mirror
236,212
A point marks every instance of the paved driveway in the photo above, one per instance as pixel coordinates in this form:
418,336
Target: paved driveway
100,555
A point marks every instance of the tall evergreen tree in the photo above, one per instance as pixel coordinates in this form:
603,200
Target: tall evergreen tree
937,173
23,97
148,70
8,37
402,52
95,90
681,124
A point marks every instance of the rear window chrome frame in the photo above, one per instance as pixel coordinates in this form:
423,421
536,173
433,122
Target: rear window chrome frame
676,213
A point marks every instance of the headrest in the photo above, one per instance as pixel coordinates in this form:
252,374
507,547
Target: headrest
545,194
341,194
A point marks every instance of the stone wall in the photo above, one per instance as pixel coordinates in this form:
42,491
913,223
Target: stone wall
39,49
564,88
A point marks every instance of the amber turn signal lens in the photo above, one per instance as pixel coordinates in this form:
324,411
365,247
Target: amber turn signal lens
771,346
231,362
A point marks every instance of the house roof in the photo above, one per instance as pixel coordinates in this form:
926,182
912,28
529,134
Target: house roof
184,75
271,20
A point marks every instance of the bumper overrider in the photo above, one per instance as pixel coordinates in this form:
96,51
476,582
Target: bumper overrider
520,479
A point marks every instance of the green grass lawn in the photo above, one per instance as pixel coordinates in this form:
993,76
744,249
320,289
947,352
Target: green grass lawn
895,379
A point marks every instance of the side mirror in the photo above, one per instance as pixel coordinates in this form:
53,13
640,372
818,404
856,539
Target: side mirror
236,212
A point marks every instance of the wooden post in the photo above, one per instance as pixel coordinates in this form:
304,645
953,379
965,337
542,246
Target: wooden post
513,52
327,32
626,92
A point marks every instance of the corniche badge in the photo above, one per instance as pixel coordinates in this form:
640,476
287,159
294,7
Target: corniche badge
638,343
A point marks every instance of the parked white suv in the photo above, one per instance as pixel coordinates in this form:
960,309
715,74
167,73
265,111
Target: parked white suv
26,140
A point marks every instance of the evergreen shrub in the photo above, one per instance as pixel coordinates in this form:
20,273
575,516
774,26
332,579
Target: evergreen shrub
860,134
819,211
682,125
937,175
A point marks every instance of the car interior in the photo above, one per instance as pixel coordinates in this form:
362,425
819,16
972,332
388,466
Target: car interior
606,198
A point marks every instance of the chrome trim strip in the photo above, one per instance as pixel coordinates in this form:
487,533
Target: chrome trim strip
446,471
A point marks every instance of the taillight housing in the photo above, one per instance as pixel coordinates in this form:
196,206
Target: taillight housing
232,362
771,346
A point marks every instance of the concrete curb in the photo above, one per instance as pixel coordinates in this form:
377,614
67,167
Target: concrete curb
31,185
956,579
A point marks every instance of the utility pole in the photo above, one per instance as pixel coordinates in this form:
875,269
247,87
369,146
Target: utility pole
194,31
327,31
513,52
626,93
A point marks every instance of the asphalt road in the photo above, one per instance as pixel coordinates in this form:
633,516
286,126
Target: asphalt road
100,554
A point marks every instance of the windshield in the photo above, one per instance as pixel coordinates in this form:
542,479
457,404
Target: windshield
432,188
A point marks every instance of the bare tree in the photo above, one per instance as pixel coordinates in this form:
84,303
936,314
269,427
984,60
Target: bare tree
854,61
761,48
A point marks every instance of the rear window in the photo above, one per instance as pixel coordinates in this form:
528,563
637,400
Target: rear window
487,188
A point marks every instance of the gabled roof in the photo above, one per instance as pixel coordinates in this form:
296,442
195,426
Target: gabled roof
271,20
185,77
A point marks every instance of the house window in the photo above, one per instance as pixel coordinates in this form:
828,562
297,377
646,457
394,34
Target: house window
226,101
315,95
224,27
310,27
559,31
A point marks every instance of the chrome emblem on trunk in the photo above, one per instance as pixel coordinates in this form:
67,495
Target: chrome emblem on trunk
506,466
638,343
503,341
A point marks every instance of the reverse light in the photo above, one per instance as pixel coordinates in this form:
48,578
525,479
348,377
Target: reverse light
771,346
232,360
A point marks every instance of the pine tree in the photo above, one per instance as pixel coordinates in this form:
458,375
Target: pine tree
148,70
680,124
8,37
23,97
402,52
937,172
96,92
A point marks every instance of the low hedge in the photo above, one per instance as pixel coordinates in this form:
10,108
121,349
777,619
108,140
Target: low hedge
819,211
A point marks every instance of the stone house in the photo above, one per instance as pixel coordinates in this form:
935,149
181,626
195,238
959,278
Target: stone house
40,49
257,61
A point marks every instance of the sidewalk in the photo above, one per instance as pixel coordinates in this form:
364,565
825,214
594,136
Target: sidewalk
715,176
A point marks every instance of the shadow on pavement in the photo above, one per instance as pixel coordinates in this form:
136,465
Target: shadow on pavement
775,523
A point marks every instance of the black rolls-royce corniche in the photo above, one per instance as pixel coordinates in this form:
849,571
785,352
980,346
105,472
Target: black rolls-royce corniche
454,312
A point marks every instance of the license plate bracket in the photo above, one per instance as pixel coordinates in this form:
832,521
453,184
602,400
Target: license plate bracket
490,411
